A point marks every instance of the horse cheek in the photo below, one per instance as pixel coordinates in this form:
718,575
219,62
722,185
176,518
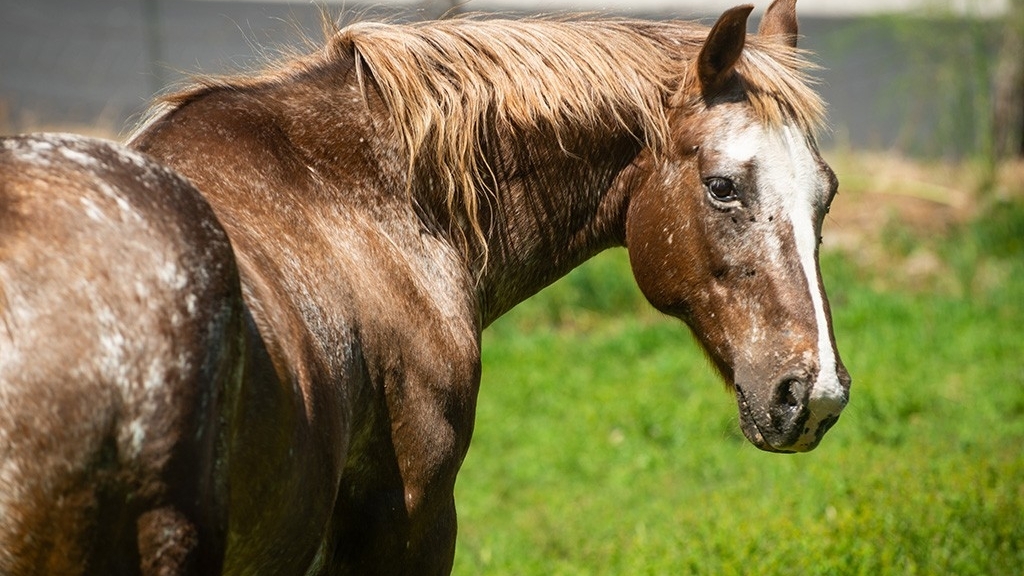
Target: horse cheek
665,260
649,256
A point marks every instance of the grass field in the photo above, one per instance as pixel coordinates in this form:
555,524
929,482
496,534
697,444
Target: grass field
606,445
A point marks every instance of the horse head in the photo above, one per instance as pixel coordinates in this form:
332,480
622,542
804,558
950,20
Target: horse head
724,234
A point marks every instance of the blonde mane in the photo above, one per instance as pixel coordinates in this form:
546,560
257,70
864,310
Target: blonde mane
442,81
445,81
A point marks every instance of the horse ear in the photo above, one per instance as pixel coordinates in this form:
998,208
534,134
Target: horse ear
722,48
780,21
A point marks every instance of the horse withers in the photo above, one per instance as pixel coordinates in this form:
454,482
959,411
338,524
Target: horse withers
391,194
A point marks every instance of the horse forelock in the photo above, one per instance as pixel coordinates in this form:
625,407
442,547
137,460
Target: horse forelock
777,81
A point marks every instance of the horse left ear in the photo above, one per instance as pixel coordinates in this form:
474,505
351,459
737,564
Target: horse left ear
780,22
722,48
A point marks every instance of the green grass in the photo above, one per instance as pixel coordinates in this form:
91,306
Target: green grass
606,445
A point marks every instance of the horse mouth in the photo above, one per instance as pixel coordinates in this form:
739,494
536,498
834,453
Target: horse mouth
750,428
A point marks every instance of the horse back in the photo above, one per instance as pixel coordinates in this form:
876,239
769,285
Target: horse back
120,334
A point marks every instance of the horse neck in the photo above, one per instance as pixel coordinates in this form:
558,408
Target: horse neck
555,204
555,199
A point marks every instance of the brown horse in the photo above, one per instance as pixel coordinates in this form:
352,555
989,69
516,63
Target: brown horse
312,392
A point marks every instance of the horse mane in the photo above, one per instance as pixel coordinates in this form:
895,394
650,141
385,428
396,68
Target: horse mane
444,77
445,82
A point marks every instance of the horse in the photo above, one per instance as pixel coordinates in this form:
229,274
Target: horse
270,363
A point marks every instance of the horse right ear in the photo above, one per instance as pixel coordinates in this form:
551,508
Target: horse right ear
780,21
722,49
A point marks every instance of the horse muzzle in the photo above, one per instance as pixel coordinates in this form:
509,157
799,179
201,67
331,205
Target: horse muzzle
793,413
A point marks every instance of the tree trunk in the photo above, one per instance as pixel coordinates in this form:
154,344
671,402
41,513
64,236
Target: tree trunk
1008,89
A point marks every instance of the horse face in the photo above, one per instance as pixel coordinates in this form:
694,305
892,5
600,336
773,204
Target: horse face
724,234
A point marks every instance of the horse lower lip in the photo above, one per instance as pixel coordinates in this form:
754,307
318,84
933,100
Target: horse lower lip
754,435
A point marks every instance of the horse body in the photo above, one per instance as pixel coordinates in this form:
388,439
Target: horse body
388,198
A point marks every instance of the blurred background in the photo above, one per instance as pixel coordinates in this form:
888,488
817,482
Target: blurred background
604,441
914,75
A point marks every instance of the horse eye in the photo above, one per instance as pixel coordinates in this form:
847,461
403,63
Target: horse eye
721,189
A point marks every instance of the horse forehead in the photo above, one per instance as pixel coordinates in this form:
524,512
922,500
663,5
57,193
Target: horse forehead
787,166
745,142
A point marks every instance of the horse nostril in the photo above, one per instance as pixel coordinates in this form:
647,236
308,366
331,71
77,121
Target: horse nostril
791,393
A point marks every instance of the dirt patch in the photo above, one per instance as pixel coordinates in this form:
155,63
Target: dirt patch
876,190
893,213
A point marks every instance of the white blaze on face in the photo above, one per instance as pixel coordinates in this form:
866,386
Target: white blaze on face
791,182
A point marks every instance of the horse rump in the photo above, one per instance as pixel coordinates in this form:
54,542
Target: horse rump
120,315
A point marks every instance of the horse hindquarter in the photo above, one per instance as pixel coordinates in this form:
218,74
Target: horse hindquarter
119,326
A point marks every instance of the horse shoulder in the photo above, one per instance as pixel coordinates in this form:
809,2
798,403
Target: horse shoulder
418,338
